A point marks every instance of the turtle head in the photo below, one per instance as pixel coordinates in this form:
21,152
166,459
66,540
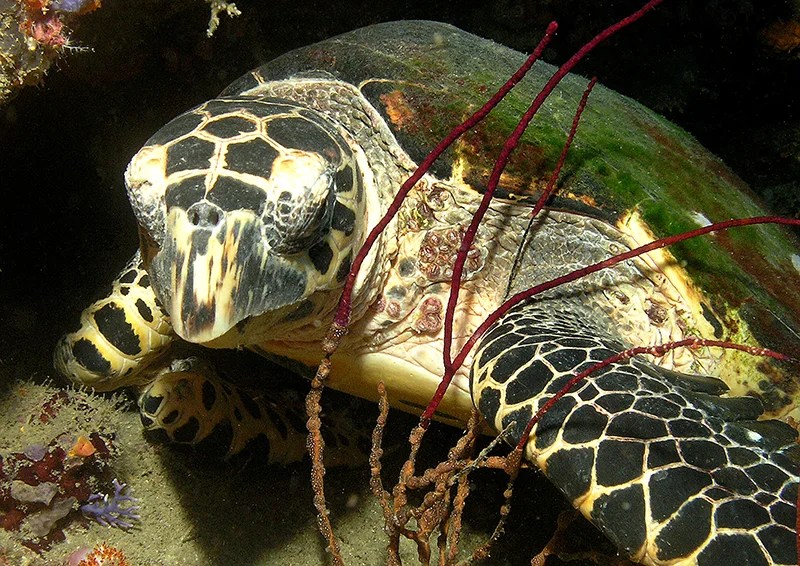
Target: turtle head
249,206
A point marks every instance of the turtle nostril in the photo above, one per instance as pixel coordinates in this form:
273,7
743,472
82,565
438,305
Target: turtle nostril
204,215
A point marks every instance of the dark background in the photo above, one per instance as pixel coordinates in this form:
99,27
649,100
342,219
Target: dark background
65,226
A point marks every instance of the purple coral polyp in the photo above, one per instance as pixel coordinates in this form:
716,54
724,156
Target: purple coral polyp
71,5
119,510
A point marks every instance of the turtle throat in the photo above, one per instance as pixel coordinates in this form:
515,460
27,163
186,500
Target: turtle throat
212,275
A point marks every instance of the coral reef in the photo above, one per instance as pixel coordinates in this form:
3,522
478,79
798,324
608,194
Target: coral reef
101,555
33,33
218,7
43,483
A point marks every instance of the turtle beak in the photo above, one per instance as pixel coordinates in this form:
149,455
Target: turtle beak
213,271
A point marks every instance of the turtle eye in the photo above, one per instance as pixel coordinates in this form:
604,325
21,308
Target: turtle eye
298,221
299,213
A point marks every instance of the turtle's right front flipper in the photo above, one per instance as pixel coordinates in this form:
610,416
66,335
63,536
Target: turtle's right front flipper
672,471
118,336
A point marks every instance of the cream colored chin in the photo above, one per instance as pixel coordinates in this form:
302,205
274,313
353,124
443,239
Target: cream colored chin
409,385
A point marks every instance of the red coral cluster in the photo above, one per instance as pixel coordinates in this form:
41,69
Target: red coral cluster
101,555
42,487
43,20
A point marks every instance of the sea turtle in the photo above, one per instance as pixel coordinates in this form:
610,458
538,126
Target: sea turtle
252,205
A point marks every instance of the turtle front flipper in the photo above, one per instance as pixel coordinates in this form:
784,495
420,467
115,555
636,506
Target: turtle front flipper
118,336
188,403
665,467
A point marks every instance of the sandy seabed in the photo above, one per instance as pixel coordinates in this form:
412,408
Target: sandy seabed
211,512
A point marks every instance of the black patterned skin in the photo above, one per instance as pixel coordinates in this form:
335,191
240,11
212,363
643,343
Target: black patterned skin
651,456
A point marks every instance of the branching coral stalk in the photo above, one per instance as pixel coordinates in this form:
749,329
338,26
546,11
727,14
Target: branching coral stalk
549,189
316,446
342,317
450,365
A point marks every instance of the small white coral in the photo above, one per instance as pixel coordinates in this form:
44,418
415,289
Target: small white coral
218,6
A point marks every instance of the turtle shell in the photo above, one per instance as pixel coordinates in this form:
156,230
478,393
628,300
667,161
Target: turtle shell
427,77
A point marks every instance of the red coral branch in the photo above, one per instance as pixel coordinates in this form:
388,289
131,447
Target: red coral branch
451,366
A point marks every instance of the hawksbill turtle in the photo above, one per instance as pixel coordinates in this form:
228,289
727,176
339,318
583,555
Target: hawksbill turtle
252,205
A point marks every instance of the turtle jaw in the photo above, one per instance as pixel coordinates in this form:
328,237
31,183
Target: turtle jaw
209,278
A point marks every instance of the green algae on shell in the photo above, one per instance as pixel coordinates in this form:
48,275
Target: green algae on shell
628,166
